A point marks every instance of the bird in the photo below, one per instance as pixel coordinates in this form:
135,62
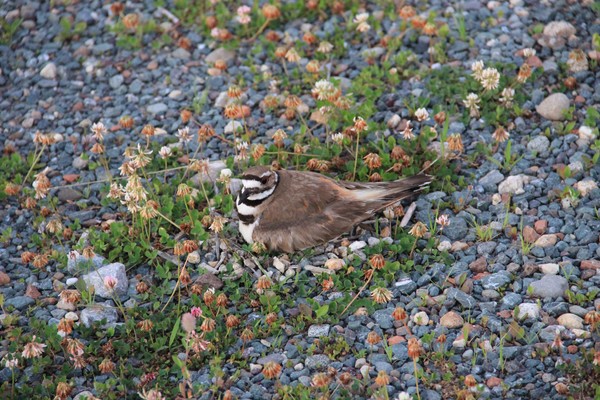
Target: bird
288,210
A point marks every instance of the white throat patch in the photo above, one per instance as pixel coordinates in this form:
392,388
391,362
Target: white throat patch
247,230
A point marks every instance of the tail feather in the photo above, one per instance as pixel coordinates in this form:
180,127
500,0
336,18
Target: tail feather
384,194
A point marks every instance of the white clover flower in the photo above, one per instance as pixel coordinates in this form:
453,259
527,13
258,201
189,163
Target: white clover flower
528,52
325,47
477,68
506,97
337,138
421,115
225,173
99,130
165,152
490,78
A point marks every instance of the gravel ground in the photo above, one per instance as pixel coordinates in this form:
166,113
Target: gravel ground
64,86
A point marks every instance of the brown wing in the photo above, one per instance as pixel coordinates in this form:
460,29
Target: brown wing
319,213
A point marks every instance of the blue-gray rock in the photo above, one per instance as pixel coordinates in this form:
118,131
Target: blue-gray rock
496,281
157,108
491,179
19,302
384,318
464,299
538,144
511,300
96,278
116,81
550,286
457,229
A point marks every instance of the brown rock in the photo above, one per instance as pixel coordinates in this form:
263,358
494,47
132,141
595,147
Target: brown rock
152,65
70,178
493,382
479,265
63,305
534,61
452,320
4,278
590,264
395,340
530,235
540,226
32,292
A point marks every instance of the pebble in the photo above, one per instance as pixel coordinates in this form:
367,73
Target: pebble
549,268
512,185
49,71
528,311
421,318
452,320
570,321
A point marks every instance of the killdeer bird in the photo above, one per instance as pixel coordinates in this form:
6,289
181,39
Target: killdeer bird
292,210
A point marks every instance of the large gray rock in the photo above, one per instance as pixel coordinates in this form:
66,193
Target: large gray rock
98,313
96,279
549,286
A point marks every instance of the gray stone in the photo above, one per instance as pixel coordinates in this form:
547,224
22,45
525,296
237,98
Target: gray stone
96,279
317,361
492,178
19,302
220,54
384,319
496,281
464,299
181,54
551,286
157,108
76,263
97,313
538,144
554,106
511,300
457,229
318,330
528,310
116,81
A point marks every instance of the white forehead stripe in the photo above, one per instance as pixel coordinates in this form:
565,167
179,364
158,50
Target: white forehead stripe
248,183
262,195
265,174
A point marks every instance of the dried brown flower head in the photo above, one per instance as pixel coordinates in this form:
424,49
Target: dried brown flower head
63,390
372,160
320,379
208,325
377,261
271,370
270,11
414,348
382,378
142,287
407,12
418,230
232,321
264,282
373,338
399,314
106,366
131,21
145,325
455,143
